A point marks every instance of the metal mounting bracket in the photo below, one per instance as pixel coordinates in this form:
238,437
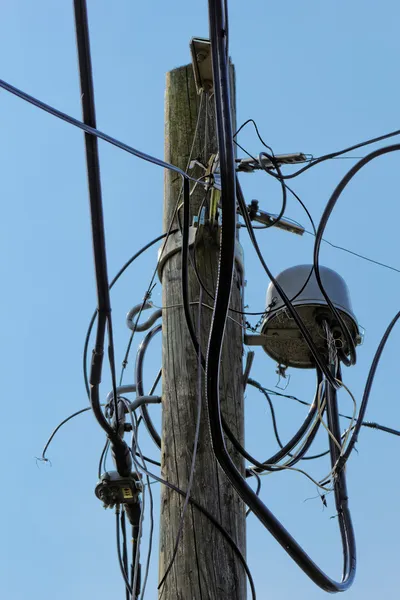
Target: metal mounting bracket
261,339
200,49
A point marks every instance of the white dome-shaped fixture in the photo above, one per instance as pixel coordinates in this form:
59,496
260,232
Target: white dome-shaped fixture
284,342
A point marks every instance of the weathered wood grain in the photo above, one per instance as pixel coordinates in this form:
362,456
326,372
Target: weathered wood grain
205,567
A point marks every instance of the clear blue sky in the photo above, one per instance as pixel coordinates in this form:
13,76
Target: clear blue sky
316,76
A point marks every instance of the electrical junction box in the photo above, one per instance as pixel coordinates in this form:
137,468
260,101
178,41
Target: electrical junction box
280,336
113,489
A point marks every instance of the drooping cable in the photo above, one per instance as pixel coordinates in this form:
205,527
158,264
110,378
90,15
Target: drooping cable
257,132
112,283
267,465
186,306
225,273
261,466
310,439
139,383
272,411
320,232
75,414
295,440
189,323
95,132
272,159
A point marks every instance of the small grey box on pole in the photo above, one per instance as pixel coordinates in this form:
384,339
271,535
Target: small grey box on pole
205,567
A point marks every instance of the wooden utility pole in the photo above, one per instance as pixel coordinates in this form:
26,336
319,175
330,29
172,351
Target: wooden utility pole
205,567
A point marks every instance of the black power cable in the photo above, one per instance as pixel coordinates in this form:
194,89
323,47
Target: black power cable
287,448
201,509
367,391
320,232
146,157
258,466
112,283
186,307
139,384
120,448
188,317
96,132
95,198
75,414
340,488
368,424
381,428
192,333
226,266
124,550
120,556
257,132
